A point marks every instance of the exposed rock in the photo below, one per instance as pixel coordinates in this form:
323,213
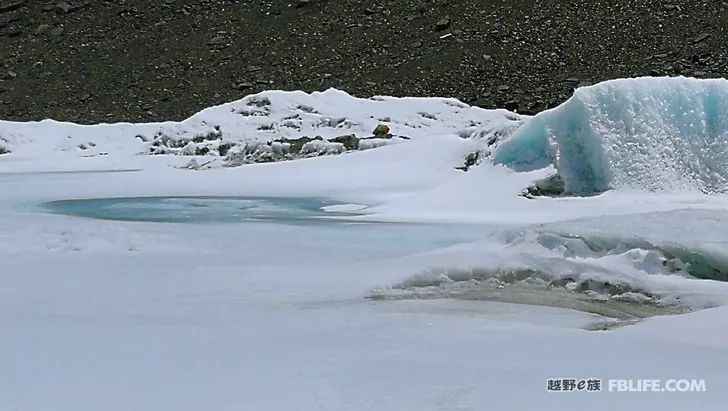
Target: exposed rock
471,160
350,141
702,37
552,186
511,105
381,130
63,7
42,28
444,23
11,5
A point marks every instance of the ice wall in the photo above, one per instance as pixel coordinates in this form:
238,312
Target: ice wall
644,133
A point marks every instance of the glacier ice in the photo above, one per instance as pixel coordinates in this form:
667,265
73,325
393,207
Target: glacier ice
647,133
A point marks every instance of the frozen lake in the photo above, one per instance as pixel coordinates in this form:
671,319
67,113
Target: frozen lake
197,302
148,282
201,209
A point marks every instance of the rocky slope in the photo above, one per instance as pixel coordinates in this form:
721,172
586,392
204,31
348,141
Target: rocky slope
131,60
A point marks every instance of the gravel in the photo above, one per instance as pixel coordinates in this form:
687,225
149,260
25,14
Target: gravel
117,60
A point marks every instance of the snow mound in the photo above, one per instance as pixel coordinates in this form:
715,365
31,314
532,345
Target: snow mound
653,134
258,128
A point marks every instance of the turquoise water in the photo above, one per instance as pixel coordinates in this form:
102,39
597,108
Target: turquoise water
199,209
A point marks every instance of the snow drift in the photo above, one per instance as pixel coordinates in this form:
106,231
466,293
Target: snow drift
649,134
258,128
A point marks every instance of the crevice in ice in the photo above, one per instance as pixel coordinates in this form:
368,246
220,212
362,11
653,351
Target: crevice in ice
532,287
622,278
670,259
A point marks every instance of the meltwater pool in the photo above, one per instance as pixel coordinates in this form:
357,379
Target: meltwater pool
201,209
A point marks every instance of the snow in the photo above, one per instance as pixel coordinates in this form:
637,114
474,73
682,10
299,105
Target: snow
642,133
344,208
247,123
413,303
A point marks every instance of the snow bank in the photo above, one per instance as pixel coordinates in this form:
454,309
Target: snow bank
253,125
646,133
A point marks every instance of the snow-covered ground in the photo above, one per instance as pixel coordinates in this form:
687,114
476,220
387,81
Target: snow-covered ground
427,288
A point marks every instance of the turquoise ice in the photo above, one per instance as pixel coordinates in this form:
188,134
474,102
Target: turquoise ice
654,134
198,209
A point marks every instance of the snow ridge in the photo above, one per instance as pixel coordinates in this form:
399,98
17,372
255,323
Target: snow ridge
257,128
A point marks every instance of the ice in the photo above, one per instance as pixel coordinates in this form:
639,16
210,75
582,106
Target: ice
258,313
204,209
644,134
607,259
344,208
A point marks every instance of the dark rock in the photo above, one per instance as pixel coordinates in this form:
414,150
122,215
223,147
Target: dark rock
14,32
242,86
11,5
552,186
471,160
224,148
511,105
8,18
381,130
702,37
77,6
42,29
297,143
350,141
443,24
63,7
